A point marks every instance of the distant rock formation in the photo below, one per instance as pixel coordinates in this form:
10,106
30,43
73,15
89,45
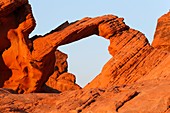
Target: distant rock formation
61,80
136,78
161,37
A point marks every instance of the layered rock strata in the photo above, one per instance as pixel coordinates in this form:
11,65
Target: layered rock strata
144,97
61,80
161,37
34,63
135,79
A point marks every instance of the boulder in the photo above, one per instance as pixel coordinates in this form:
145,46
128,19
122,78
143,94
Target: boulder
61,80
65,82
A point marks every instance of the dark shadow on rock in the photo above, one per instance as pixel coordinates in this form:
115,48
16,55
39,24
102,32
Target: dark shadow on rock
5,72
7,91
47,89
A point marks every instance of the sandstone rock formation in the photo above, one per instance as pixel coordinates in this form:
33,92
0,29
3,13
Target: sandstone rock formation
18,69
161,37
133,58
17,22
61,80
64,82
136,78
144,97
31,66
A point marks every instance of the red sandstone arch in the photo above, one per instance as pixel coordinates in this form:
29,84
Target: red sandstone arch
41,56
31,61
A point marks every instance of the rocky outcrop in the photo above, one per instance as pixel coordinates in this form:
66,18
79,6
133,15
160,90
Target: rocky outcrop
17,68
16,24
64,82
144,97
127,46
135,79
161,37
30,67
133,58
61,80
8,6
72,32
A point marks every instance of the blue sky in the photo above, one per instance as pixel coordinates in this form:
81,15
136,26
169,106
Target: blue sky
88,56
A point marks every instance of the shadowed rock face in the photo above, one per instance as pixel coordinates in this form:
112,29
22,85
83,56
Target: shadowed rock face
61,80
135,79
17,23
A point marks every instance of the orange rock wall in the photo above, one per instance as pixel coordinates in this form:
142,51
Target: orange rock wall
161,37
27,64
17,22
136,78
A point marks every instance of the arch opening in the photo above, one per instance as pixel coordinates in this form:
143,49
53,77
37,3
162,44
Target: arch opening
86,57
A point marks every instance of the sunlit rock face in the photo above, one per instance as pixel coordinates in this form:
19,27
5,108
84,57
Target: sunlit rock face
32,61
134,79
61,80
17,22
161,37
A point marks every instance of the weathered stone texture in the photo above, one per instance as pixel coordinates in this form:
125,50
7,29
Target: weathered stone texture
135,79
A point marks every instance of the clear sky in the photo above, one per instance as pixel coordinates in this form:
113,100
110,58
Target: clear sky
88,56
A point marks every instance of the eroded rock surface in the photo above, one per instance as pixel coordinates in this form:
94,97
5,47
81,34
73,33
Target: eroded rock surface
31,66
61,80
144,97
133,59
161,37
17,22
135,79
